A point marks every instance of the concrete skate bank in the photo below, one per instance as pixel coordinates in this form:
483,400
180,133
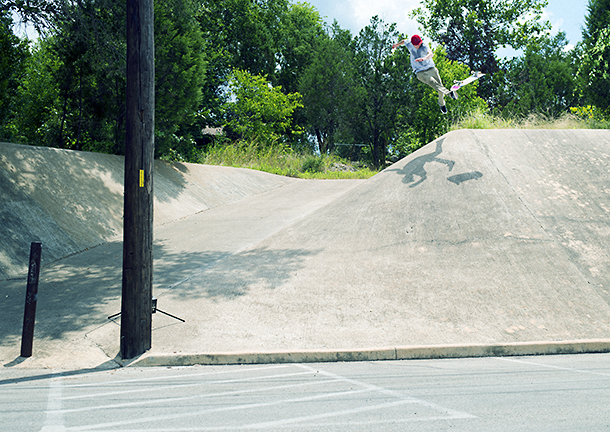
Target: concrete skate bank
480,239
71,201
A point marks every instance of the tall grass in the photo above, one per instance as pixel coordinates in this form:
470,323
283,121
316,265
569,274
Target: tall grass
579,118
281,160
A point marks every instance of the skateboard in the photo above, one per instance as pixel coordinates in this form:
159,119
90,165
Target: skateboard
473,77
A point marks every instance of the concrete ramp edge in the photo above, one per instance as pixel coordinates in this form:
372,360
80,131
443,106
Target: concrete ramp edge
378,354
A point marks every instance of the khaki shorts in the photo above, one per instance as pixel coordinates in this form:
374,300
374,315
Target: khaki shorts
433,79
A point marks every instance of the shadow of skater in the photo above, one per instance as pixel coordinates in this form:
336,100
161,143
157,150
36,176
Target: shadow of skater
461,178
415,168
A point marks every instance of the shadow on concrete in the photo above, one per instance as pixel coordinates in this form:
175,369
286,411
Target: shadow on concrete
67,200
71,200
461,178
416,167
221,276
79,293
110,364
73,294
173,175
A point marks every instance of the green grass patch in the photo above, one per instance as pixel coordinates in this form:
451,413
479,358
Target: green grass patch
281,160
578,118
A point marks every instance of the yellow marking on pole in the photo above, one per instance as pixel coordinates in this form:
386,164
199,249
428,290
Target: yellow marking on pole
141,178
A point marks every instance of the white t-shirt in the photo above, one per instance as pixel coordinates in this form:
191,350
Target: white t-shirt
419,53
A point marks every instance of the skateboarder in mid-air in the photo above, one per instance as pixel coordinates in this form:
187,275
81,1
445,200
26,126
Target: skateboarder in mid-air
424,68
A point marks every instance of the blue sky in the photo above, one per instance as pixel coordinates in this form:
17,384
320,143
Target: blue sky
564,15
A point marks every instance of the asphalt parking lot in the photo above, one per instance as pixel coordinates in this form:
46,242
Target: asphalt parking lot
542,393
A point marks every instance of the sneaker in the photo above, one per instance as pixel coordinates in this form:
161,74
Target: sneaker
443,109
454,94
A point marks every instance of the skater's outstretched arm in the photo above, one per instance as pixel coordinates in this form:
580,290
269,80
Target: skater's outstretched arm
396,45
426,57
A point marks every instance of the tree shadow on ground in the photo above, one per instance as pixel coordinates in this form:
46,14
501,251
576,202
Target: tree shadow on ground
68,200
71,200
224,276
79,293
73,294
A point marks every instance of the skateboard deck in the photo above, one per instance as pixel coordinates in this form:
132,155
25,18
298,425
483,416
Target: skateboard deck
459,84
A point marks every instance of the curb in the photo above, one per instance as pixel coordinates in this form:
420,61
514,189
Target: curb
400,353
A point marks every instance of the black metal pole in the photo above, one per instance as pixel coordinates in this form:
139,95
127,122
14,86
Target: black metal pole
31,294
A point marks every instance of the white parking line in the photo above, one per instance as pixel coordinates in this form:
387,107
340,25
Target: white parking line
54,417
178,377
339,408
338,413
123,405
290,422
178,386
449,412
215,410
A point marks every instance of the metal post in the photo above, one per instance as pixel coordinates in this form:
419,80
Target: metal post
31,294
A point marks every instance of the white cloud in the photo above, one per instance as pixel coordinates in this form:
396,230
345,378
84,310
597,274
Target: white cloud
356,14
563,21
556,23
388,11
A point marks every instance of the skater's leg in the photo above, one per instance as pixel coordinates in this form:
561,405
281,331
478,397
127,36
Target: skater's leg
432,78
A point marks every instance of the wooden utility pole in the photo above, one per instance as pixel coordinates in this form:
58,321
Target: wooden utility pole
136,305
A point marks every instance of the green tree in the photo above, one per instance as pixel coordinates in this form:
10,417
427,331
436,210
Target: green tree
88,43
12,67
40,13
328,87
74,95
594,72
37,119
543,79
301,29
179,73
597,19
375,121
259,110
215,21
251,31
239,34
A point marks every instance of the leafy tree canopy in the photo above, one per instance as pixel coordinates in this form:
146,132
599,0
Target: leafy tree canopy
12,70
594,72
301,31
328,86
180,70
542,80
378,102
259,110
